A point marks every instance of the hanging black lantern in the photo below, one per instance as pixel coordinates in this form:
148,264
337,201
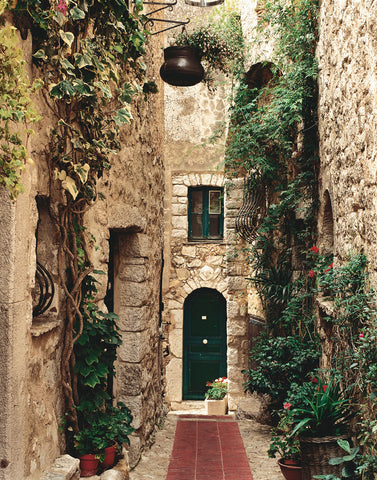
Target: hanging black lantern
182,67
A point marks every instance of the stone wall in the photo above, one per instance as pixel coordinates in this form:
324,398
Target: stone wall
30,350
220,266
348,129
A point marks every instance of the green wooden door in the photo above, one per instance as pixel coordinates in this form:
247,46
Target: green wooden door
204,341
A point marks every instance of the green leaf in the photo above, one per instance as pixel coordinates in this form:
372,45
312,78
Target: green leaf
127,93
83,60
104,89
67,64
92,380
118,48
82,171
82,88
344,444
77,13
67,37
122,116
40,54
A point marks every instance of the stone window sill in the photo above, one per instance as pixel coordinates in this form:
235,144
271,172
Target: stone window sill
43,324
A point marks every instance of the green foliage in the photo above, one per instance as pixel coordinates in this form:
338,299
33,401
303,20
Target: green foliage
16,108
282,443
103,427
219,41
280,361
89,57
95,353
273,137
318,408
348,470
217,389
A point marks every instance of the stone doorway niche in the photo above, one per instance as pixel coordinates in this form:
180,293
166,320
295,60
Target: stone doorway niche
133,293
204,341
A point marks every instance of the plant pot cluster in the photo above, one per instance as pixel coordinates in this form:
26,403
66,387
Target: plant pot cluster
89,463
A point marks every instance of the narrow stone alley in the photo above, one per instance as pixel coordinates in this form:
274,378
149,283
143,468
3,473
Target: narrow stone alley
155,461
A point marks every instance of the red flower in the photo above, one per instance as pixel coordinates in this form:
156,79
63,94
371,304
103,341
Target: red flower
361,335
311,273
328,269
287,405
324,388
314,249
313,379
208,384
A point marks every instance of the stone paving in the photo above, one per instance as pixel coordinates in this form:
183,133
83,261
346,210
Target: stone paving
155,461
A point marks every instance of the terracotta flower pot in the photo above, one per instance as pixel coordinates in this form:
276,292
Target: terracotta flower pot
290,469
88,465
182,67
109,456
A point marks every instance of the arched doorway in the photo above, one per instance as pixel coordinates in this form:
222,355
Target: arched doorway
204,341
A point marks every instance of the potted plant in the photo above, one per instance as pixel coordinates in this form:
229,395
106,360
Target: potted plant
97,441
318,414
116,422
215,41
288,449
90,447
216,400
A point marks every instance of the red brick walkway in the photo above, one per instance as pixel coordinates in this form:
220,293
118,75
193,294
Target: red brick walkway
208,448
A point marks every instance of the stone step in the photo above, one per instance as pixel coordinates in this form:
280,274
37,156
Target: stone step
189,405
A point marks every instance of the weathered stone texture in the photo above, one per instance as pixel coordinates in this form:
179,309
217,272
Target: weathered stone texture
30,351
347,124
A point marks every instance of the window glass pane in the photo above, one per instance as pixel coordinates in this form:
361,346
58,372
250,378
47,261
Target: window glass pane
196,226
197,201
214,201
214,226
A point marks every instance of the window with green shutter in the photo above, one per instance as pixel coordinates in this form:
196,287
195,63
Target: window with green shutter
205,213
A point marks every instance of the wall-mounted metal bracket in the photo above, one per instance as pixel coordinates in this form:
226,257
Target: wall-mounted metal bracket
162,6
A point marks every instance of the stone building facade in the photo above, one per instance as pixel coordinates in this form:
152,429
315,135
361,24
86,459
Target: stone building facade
127,227
197,267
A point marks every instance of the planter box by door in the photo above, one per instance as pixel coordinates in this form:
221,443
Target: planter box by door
216,407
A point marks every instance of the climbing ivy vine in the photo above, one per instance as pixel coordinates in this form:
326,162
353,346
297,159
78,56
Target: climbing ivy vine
89,57
16,108
273,140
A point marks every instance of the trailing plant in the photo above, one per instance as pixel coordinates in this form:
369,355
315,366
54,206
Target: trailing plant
218,39
16,108
89,55
273,137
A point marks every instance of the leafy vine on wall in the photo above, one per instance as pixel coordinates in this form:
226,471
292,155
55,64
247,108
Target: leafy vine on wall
16,108
89,55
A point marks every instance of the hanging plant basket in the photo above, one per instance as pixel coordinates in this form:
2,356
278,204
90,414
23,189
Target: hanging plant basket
182,67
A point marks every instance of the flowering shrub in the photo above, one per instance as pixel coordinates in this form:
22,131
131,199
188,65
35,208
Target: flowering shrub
317,408
217,389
